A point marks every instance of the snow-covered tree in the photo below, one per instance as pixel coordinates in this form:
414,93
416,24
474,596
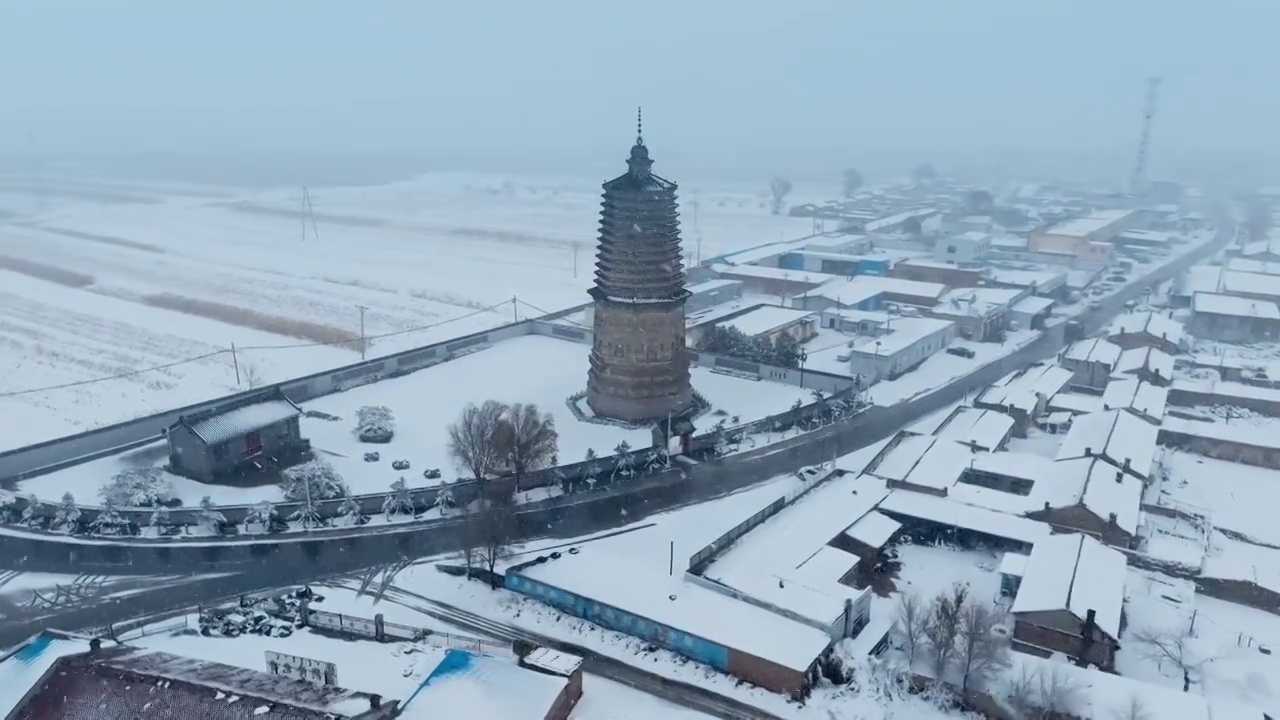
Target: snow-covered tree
623,463
108,521
400,501
657,459
350,510
160,519
527,440
375,424
316,476
138,487
444,496
308,515
67,519
912,614
261,514
591,472
209,515
31,513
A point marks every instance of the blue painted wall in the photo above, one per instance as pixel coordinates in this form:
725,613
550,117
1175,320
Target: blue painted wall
873,266
677,641
791,261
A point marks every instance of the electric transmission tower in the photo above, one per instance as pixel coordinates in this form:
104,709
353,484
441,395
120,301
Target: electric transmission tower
308,214
1139,178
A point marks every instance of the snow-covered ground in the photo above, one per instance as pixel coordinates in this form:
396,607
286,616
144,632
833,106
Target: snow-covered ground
1239,497
529,369
88,277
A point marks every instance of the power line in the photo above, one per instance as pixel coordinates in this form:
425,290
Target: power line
131,373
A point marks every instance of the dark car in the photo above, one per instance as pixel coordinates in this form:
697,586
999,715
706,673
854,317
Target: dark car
960,352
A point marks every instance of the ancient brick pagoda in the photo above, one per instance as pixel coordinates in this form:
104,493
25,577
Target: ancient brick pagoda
639,364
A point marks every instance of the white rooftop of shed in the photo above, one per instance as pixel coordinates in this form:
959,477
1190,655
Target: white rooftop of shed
1044,380
1216,304
976,302
1012,564
592,573
873,529
903,333
1096,350
242,420
26,664
1074,573
1137,395
1227,389
763,252
710,285
1243,434
1261,267
1115,436
1243,283
1033,305
1149,323
467,684
767,319
1104,490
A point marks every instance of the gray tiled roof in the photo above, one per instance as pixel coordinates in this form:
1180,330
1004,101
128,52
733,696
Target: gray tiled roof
234,423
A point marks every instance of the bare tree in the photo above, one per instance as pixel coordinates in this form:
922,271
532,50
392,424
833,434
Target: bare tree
912,616
1175,647
1134,710
1058,693
942,628
493,531
1024,693
779,188
981,652
527,439
251,376
474,440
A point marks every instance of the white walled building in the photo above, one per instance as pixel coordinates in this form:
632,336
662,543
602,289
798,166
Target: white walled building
909,342
967,247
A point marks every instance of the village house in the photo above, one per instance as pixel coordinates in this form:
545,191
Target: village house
1147,329
1146,364
249,435
1092,361
1143,399
980,314
1070,600
1233,319
1116,436
1024,394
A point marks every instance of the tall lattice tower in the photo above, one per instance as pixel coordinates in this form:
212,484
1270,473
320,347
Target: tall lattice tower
1139,178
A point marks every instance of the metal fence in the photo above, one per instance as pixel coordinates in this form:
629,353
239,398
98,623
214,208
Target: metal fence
699,560
343,624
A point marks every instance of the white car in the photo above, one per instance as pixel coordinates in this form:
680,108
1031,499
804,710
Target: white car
813,473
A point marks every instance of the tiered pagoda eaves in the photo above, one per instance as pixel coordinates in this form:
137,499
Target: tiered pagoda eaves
639,364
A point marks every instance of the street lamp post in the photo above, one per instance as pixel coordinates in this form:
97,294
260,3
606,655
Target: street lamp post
803,357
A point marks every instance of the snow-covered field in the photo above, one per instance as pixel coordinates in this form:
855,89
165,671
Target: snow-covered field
530,369
97,281
1239,497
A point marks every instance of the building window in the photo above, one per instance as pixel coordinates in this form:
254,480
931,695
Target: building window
221,451
951,249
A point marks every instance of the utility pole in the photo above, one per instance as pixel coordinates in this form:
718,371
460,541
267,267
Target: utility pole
308,212
362,308
515,310
235,363
576,245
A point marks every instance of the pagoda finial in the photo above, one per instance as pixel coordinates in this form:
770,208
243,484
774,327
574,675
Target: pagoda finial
639,126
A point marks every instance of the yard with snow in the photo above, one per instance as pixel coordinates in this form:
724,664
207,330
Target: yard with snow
103,281
530,369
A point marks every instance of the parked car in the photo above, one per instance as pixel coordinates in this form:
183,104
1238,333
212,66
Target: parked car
963,352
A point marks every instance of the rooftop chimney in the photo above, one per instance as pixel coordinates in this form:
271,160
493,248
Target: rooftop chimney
1111,519
1119,476
375,701
95,645
1088,452
1046,504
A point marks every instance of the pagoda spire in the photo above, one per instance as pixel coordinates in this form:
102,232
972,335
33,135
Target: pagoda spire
639,126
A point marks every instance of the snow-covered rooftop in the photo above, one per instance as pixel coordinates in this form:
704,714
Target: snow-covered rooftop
1075,573
983,429
1012,564
710,285
1089,225
1033,305
598,572
1137,395
922,460
946,511
1039,279
1217,304
553,661
1096,350
903,333
469,685
1152,360
799,277
1077,403
246,419
764,252
1105,489
873,529
976,302
866,286
1039,381
1243,283
1226,388
776,562
1262,267
1150,323
1114,435
767,319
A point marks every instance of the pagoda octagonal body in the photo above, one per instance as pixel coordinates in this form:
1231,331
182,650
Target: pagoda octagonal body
639,363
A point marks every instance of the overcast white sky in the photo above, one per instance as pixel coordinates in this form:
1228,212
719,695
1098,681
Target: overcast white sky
805,83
